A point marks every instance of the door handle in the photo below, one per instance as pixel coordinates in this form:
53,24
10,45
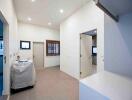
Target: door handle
5,59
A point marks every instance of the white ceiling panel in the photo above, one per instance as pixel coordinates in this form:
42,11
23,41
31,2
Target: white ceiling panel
44,11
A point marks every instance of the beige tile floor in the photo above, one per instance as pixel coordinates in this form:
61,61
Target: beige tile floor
52,84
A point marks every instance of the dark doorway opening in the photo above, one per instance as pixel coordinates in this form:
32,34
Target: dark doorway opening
1,57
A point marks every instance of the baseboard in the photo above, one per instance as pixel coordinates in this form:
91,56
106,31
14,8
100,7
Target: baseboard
56,66
52,66
70,75
8,97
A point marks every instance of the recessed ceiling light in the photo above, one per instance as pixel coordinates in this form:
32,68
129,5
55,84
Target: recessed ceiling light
95,31
33,0
49,23
61,11
29,19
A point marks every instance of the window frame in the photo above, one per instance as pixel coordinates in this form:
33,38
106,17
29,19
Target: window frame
53,45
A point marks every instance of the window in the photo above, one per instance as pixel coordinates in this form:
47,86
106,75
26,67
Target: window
52,48
24,44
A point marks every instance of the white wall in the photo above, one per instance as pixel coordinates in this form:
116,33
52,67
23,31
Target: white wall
118,45
7,10
87,18
36,33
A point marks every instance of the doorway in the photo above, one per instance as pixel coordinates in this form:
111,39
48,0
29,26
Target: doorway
88,53
1,57
38,55
4,56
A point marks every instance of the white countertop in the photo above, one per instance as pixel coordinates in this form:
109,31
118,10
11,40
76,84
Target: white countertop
110,85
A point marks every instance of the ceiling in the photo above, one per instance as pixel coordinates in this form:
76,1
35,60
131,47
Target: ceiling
44,11
117,7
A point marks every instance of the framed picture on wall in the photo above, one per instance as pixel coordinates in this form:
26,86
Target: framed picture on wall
52,48
25,45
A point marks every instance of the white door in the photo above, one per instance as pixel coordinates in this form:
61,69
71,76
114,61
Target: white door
38,55
86,55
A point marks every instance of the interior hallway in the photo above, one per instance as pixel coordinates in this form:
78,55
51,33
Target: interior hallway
52,84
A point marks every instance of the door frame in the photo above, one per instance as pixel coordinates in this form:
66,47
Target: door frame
6,68
80,48
43,52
